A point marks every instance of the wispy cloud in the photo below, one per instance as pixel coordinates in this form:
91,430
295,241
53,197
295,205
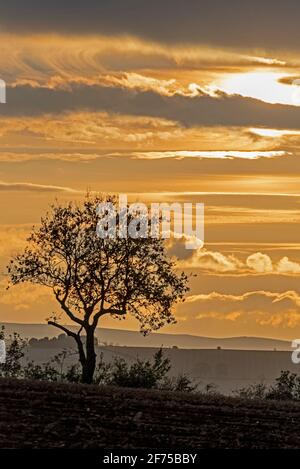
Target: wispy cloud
264,307
251,155
27,186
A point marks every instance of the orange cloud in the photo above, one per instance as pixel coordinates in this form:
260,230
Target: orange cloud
265,307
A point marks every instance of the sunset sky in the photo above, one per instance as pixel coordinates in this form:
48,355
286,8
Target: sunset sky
165,100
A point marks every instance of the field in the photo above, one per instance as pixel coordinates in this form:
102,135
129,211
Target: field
49,415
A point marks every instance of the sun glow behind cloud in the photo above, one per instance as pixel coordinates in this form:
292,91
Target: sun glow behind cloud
251,155
273,133
262,85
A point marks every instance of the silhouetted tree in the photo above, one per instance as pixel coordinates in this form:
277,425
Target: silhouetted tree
91,277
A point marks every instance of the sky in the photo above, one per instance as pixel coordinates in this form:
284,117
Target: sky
179,101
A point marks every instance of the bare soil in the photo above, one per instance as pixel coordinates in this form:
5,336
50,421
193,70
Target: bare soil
49,415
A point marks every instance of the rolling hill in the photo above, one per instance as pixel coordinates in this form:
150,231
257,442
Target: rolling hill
135,339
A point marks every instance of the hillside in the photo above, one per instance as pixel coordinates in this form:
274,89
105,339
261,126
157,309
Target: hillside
228,369
156,339
49,415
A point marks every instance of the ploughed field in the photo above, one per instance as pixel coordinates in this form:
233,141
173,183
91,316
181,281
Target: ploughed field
37,414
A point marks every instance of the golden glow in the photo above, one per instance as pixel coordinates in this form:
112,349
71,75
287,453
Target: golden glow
264,86
250,155
273,132
247,175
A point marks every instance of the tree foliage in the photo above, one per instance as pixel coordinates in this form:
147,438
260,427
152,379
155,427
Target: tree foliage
91,277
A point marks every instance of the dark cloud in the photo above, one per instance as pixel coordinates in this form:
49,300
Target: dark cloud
260,23
198,111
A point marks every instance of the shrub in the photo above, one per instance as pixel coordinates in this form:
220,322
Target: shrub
286,387
15,345
181,383
141,373
73,374
102,372
44,372
254,391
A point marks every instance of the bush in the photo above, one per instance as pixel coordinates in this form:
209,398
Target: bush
103,372
73,374
15,345
254,391
211,389
146,374
182,383
141,373
45,372
287,387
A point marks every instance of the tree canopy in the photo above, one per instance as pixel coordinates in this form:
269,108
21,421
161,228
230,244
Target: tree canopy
91,277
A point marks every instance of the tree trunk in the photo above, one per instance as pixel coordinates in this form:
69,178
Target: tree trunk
88,370
89,363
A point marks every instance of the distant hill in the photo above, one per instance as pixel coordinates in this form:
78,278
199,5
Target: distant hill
135,339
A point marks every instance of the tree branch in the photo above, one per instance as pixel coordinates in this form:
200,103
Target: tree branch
67,311
118,312
63,328
75,336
